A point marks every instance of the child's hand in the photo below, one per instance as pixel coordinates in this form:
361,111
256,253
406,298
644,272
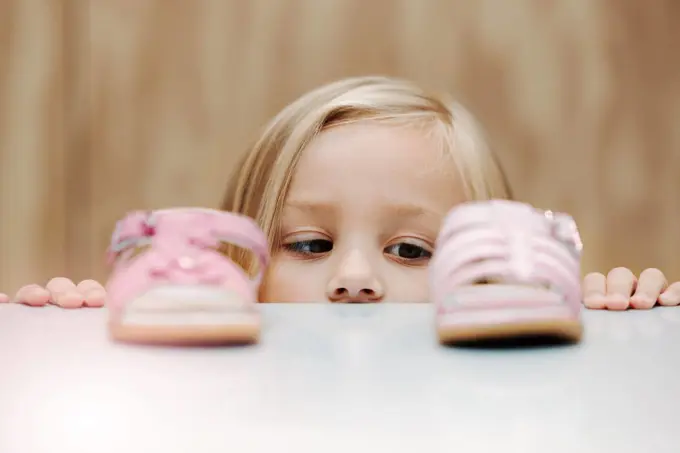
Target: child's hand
621,290
62,292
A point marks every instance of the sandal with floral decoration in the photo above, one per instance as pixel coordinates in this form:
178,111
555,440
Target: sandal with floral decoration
173,283
502,270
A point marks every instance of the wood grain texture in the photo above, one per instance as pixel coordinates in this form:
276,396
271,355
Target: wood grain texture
110,105
33,136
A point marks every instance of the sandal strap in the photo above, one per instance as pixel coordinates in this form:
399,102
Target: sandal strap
560,226
134,228
509,241
235,229
139,226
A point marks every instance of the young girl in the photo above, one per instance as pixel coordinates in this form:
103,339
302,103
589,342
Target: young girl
351,183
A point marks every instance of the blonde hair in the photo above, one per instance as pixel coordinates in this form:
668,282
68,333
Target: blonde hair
261,181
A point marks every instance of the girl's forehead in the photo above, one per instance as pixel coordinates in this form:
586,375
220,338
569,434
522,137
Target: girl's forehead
376,148
369,161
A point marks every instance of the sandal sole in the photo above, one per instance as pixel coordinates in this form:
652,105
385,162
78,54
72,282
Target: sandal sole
503,312
187,315
193,336
565,330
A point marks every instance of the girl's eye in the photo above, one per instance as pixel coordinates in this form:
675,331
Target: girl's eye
408,252
311,247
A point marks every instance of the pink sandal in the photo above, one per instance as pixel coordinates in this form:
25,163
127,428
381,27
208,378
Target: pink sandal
503,269
172,284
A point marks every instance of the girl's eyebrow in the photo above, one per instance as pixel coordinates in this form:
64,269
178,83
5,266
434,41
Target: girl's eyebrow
310,206
407,210
412,210
403,210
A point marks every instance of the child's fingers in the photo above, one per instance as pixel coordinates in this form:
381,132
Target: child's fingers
60,285
4,298
621,283
594,290
671,296
651,284
34,295
93,293
64,293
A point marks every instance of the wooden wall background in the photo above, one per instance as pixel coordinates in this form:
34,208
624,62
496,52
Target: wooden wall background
108,105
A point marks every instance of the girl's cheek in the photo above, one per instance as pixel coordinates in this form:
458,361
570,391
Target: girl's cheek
280,282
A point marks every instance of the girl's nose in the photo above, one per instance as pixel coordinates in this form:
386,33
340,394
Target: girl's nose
355,281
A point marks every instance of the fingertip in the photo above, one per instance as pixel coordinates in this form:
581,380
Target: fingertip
594,303
668,301
60,285
95,298
69,299
33,295
671,297
642,302
653,273
594,287
592,275
89,285
4,298
619,272
621,285
594,279
616,302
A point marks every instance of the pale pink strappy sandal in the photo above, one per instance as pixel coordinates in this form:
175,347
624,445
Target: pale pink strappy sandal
505,269
171,283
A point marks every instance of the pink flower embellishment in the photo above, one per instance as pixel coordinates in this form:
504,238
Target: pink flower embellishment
130,231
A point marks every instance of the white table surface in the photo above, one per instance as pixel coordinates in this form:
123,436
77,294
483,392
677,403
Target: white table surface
329,378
